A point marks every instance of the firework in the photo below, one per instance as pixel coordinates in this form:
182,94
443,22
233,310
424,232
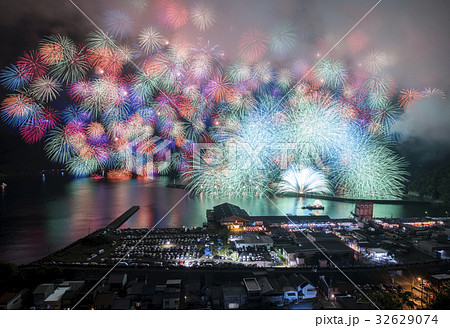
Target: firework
303,181
17,109
148,104
15,77
332,73
174,13
118,23
407,96
218,88
45,89
202,16
253,45
150,40
282,39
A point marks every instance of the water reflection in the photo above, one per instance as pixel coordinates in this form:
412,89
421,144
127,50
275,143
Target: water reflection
38,217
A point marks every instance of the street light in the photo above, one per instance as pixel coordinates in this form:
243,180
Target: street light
426,214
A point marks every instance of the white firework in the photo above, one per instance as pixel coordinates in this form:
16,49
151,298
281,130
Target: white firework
202,16
150,39
304,180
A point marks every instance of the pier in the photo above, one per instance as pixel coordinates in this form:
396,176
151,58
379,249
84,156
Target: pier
123,218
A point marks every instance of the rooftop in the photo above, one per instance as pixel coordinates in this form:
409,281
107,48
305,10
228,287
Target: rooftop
226,210
252,285
57,294
42,288
255,239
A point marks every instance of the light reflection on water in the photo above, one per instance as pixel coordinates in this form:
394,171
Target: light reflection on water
39,216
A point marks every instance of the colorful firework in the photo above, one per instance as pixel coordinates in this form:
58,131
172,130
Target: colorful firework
253,45
202,16
143,103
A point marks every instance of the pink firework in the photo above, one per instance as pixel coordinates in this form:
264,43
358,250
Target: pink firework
16,109
218,88
33,62
407,96
33,131
253,45
108,61
357,41
50,118
173,13
80,90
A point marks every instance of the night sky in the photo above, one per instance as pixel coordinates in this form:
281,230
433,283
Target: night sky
414,32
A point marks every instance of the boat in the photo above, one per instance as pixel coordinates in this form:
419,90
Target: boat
313,207
316,206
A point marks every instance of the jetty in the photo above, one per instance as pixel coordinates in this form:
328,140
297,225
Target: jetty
123,218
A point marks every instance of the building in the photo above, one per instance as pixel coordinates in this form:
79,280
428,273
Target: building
227,210
217,297
121,303
116,280
269,294
290,294
234,297
12,301
433,248
252,240
305,289
378,254
253,289
234,223
54,301
364,210
171,295
104,301
41,293
293,256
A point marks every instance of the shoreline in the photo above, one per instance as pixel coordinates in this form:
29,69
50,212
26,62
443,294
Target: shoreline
340,199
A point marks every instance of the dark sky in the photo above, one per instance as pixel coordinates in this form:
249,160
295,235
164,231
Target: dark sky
414,33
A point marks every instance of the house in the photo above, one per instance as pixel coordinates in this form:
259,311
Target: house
116,280
332,286
54,301
253,289
12,301
293,255
69,299
41,293
290,294
234,297
305,288
171,300
104,301
74,285
268,293
171,295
